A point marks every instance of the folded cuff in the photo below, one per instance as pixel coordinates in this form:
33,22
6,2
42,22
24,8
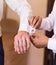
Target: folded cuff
52,44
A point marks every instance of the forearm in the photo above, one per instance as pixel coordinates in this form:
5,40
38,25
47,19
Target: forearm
25,14
23,9
47,24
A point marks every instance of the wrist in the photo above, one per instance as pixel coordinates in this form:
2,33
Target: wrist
23,32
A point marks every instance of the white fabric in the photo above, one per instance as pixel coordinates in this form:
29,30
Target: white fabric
1,13
1,9
22,8
49,23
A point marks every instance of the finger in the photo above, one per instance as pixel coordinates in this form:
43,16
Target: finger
20,45
24,45
18,50
31,19
35,20
28,42
16,46
38,23
32,39
33,35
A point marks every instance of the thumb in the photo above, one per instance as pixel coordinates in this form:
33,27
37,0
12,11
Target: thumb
32,39
33,35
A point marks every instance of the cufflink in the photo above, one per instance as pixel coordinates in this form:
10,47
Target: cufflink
32,30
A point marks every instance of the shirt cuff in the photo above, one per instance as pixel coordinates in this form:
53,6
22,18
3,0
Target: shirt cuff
24,25
52,44
28,29
32,30
43,24
23,28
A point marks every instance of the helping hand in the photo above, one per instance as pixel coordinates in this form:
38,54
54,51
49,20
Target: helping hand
39,40
35,21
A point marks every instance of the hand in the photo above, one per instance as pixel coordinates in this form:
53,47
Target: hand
35,21
39,40
21,42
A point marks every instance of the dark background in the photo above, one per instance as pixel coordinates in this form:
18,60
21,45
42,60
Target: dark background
48,53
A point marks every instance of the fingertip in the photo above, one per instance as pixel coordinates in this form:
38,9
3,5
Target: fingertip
24,50
18,52
14,49
29,22
28,47
33,36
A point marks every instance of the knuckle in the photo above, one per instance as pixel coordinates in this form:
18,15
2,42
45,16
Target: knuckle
24,44
20,45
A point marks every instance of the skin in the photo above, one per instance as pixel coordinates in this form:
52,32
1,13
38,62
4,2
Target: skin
22,39
38,40
35,21
22,42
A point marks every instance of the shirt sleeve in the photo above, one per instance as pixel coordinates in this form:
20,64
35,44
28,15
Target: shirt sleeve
52,44
23,9
48,22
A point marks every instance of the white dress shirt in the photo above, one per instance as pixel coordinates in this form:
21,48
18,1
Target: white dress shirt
49,23
23,9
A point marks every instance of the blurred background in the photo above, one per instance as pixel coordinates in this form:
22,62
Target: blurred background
10,25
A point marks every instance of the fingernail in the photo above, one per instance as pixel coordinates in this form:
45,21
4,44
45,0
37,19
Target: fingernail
18,52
